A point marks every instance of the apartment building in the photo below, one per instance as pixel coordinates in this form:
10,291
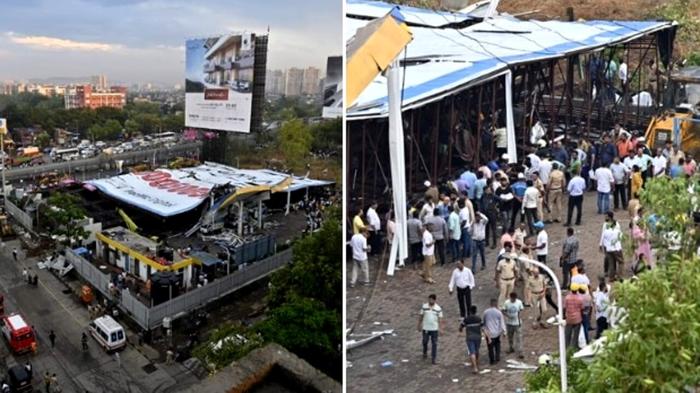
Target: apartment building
84,96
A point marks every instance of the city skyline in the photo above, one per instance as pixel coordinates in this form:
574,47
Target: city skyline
143,41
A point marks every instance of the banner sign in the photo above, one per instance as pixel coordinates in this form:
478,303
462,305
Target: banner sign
219,82
168,192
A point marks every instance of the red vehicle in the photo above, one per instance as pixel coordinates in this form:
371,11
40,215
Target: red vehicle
18,333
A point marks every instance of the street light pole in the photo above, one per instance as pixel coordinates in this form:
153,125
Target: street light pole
560,320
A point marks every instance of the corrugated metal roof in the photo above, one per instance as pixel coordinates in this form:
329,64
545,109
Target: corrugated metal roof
441,61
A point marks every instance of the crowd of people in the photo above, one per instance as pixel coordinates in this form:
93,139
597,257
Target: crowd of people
510,206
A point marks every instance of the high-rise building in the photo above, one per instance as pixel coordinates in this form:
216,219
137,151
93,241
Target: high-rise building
99,82
275,82
294,80
311,84
83,96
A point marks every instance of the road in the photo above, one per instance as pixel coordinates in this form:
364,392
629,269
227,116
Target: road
47,308
103,162
394,302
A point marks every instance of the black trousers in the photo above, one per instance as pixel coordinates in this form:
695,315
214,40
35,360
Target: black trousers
620,197
495,350
375,241
431,335
574,202
491,231
464,299
531,215
514,213
601,324
416,252
440,248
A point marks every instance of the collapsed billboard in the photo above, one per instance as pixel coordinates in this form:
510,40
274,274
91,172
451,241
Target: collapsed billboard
168,192
219,82
333,88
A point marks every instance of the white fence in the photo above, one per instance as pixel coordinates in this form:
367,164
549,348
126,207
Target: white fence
151,317
19,215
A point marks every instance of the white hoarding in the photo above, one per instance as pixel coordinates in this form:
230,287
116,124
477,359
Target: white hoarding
168,192
219,82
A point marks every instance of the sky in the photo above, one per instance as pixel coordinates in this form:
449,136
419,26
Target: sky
139,41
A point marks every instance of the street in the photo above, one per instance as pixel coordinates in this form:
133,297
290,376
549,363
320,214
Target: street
394,302
47,307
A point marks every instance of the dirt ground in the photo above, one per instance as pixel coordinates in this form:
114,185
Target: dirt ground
394,302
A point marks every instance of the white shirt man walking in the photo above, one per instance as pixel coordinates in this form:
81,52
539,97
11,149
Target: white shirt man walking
431,324
611,245
428,254
358,242
374,226
605,183
463,279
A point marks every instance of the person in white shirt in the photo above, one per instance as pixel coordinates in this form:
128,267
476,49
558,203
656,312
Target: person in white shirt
659,163
428,254
545,170
374,225
427,209
605,183
478,232
358,242
542,246
601,302
466,218
620,173
622,73
530,203
575,188
431,324
463,279
611,245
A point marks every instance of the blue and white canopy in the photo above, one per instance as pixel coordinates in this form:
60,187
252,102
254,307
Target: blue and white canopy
442,61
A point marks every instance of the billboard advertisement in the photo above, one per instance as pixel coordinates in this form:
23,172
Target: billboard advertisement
333,88
219,82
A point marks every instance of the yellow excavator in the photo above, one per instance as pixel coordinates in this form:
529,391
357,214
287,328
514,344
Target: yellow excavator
682,125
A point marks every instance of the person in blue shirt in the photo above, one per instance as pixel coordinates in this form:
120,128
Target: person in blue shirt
559,153
518,189
479,187
607,152
469,178
677,170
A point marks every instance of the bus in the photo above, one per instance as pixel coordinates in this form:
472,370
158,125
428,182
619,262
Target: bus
65,154
164,137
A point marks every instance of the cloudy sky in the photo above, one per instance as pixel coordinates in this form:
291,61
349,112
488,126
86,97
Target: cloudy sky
143,40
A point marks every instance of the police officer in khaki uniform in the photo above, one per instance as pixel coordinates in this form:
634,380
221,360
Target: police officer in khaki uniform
536,285
506,272
555,188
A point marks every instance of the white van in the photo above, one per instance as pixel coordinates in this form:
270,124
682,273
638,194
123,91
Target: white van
108,333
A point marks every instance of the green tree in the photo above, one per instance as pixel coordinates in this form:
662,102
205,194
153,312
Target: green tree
43,140
174,123
96,132
305,327
112,129
655,347
294,140
148,122
63,212
131,127
328,136
315,271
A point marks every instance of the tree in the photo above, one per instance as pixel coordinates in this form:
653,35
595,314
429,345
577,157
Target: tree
112,130
654,349
43,140
305,327
328,136
306,298
315,271
131,127
63,212
294,139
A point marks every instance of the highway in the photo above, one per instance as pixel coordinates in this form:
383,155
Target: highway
104,162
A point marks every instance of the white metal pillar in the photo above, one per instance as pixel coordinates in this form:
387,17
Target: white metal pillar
399,249
561,322
260,224
289,199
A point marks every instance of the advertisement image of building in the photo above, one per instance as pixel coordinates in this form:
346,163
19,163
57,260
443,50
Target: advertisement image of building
84,96
221,75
